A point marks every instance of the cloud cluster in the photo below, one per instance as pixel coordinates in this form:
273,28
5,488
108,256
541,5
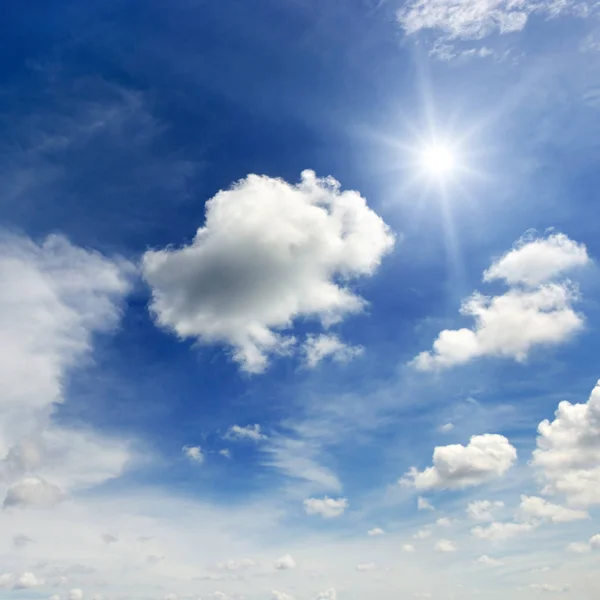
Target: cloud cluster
536,310
568,451
482,510
268,253
319,347
455,466
326,507
249,432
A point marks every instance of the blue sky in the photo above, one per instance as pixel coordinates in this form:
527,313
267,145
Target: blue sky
299,300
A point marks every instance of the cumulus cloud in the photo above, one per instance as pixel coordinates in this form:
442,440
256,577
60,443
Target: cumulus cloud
583,547
444,522
423,534
532,262
319,347
533,508
329,594
375,531
280,596
249,432
76,594
482,510
488,561
268,253
446,427
568,451
485,457
32,491
535,311
499,532
285,562
326,507
409,549
27,581
193,453
445,546
424,504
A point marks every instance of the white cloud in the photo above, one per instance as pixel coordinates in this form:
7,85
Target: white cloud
27,581
225,452
375,531
488,561
408,549
236,565
268,253
319,347
194,453
424,504
366,567
54,597
326,507
6,580
568,451
170,597
535,311
446,427
499,532
249,432
533,507
280,596
482,510
32,491
533,262
76,594
445,546
423,534
486,457
550,588
595,541
578,547
329,594
285,562
444,522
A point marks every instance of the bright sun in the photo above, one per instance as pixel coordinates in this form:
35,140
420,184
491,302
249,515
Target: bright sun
438,160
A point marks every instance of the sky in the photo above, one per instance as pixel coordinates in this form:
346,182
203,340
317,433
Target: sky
299,300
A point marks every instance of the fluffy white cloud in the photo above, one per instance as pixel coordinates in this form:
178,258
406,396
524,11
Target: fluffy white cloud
280,596
76,594
446,427
268,253
444,522
423,534
424,504
319,347
568,451
27,581
329,594
532,262
499,532
482,510
595,541
485,457
32,491
445,546
488,561
249,432
533,508
285,562
583,547
375,531
409,549
535,311
194,453
54,597
326,507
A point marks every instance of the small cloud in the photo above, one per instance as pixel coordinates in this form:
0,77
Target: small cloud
375,531
285,562
482,510
76,594
550,588
409,549
330,594
579,548
21,540
446,427
27,581
154,559
422,534
487,561
32,491
280,596
226,452
236,565
445,546
108,538
6,580
424,504
444,522
249,432
326,507
319,347
194,453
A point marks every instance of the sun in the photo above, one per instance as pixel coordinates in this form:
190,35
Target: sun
438,160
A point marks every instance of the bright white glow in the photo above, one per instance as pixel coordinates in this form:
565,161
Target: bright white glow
438,159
